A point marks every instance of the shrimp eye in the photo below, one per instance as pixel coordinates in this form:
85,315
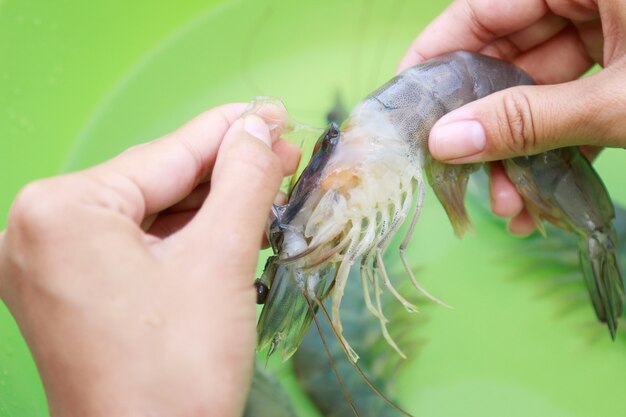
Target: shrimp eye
261,291
328,138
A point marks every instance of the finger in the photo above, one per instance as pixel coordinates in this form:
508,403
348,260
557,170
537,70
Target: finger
562,58
521,225
510,46
592,37
289,154
538,32
530,119
505,200
548,26
577,10
193,201
244,183
167,224
151,177
590,152
3,266
471,25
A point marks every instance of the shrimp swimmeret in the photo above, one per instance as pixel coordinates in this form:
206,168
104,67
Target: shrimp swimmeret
364,178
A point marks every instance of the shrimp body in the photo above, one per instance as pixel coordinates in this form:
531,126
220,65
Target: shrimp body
349,201
362,181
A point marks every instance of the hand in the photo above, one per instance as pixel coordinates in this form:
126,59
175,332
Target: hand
555,42
153,321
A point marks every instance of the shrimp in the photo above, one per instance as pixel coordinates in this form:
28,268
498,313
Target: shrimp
561,187
363,180
559,250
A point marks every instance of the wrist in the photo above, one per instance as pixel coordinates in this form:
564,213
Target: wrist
160,400
145,389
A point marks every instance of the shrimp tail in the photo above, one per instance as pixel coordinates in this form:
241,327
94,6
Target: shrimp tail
602,275
449,182
286,316
560,186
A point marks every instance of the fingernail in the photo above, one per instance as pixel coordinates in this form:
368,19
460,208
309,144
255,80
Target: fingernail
280,199
256,127
458,140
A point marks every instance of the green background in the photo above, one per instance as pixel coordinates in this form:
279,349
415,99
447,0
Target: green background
82,80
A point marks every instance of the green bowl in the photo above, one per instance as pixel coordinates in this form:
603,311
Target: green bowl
81,81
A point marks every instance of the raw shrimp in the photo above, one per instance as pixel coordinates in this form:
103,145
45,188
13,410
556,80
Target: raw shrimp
362,181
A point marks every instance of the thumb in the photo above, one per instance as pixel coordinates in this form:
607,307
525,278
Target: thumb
527,120
244,183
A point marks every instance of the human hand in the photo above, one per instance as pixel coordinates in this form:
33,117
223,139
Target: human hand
555,42
132,281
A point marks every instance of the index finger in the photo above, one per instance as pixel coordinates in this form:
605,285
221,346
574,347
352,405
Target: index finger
471,25
153,176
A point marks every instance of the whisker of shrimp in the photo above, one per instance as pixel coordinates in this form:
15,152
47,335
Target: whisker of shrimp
246,58
357,50
330,356
355,365
383,46
331,286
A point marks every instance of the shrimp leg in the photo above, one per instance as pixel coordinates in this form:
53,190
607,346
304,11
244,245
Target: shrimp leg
421,192
382,272
383,322
340,285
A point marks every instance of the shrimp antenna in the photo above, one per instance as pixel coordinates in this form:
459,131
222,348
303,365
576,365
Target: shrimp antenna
246,57
354,364
330,357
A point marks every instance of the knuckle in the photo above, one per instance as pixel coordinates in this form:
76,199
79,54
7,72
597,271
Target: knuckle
503,48
476,17
118,193
604,111
517,127
196,156
43,209
36,205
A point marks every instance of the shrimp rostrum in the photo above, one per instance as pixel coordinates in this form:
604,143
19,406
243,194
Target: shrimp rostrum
363,179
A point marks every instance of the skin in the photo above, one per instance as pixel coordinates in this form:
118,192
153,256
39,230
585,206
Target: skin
555,42
132,280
